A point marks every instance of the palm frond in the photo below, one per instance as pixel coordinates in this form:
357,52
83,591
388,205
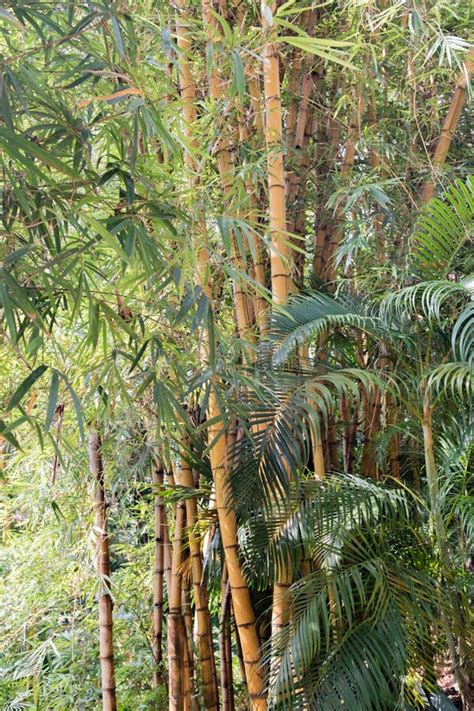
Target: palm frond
313,315
426,298
462,337
279,429
443,229
457,378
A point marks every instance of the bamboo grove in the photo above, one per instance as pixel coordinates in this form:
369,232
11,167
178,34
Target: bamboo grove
236,319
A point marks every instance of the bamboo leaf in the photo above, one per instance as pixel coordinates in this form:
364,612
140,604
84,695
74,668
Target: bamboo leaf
52,400
118,37
77,406
108,238
313,46
11,19
13,143
24,386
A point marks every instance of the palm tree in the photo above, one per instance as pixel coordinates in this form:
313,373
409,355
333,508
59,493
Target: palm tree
348,527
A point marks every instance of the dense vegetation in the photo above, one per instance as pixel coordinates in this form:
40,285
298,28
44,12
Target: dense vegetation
236,323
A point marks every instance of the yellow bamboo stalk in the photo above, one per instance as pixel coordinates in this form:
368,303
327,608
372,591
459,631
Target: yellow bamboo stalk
243,611
188,93
448,129
257,270
102,564
280,250
226,172
244,616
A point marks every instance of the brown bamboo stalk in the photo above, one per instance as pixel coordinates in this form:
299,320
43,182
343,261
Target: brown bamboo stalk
448,129
332,450
376,163
322,221
337,231
350,417
167,548
225,645
394,445
297,181
102,564
204,638
175,623
190,699
158,574
187,673
372,408
294,83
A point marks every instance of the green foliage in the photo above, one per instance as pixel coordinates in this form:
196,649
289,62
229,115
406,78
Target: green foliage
101,286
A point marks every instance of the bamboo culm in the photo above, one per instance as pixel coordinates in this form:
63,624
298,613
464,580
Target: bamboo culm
102,564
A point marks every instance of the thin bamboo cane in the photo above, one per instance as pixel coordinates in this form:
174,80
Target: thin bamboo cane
240,659
376,164
372,409
167,548
350,418
102,563
157,627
